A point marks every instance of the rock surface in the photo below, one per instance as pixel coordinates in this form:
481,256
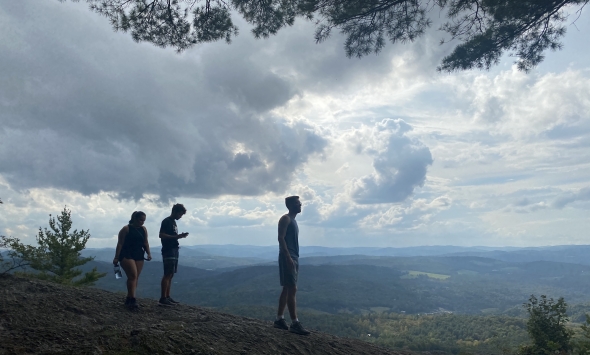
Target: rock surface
43,318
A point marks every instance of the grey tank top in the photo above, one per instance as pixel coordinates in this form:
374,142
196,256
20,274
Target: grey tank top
292,238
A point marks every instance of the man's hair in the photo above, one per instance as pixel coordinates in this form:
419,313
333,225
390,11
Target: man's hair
289,201
178,208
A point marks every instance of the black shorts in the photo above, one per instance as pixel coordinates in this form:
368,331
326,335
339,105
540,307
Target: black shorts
170,260
288,276
133,254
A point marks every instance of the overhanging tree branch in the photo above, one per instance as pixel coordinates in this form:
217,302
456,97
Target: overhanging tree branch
485,29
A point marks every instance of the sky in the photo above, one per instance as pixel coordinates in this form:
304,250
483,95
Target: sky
384,151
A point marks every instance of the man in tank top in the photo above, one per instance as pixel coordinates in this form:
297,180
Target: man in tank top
289,267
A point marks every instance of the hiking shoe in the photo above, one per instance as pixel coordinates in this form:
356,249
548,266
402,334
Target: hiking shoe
281,324
297,328
165,302
173,301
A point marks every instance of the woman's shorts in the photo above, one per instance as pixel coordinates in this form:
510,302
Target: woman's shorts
136,254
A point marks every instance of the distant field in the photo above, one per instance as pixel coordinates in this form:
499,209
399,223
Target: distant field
414,274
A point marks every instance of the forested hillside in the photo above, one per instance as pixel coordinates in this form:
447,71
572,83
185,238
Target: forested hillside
414,285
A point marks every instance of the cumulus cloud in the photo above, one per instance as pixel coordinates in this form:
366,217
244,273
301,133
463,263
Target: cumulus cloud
526,105
400,162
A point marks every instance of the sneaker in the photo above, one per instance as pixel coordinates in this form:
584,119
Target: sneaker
297,328
132,304
281,324
173,301
165,302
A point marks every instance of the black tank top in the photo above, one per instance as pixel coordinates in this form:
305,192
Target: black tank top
135,239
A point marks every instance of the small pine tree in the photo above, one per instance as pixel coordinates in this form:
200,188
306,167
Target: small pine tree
547,327
58,253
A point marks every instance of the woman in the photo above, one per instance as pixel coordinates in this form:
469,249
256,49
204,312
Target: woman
132,244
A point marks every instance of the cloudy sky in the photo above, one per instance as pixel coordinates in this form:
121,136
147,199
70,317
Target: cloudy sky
384,151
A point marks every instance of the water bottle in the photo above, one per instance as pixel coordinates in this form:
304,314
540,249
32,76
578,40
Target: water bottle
118,274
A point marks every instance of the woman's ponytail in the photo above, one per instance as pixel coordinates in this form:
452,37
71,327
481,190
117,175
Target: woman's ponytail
132,217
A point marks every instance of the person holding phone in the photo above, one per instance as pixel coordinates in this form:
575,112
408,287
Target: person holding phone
169,237
132,244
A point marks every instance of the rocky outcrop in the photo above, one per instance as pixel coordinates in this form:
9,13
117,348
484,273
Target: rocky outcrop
43,318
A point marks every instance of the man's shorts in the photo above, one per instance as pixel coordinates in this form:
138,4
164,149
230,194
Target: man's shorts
170,260
288,276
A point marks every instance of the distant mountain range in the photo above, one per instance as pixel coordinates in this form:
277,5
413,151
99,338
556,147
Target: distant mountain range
213,257
362,283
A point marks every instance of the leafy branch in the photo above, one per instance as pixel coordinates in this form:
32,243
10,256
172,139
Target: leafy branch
10,260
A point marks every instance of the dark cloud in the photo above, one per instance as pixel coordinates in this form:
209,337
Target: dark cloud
321,68
400,165
88,110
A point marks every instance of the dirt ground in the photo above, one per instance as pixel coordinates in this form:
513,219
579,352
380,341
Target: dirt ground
43,318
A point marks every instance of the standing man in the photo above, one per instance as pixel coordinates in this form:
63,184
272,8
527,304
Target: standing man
169,237
289,266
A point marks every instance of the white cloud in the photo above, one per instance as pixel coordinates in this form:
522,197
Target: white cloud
400,162
407,216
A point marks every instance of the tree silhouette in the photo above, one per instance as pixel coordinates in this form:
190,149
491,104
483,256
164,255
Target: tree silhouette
57,255
483,29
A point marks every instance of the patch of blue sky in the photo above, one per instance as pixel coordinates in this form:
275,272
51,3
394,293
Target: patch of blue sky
573,55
